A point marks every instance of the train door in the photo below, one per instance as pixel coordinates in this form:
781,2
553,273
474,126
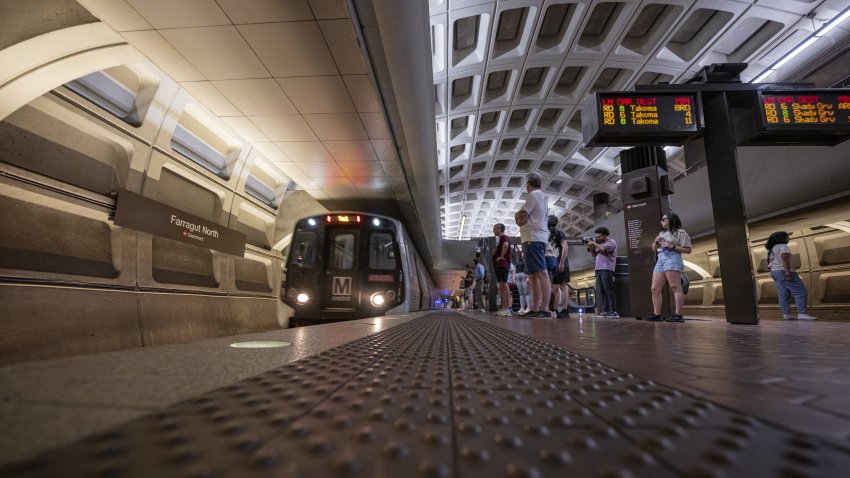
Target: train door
341,287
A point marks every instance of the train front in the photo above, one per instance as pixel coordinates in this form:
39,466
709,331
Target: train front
344,266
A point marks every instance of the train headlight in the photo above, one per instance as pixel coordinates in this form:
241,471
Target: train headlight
377,299
302,298
376,222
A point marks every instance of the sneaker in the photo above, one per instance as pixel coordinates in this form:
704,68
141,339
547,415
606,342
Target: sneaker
548,314
654,318
502,312
787,317
601,314
481,310
805,317
563,314
675,318
523,313
613,315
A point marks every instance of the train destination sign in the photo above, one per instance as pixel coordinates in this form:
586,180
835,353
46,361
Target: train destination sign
635,118
796,117
809,108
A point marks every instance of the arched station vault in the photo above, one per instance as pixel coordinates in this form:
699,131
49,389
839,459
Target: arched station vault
330,91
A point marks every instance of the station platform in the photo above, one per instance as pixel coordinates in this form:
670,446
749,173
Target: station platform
445,394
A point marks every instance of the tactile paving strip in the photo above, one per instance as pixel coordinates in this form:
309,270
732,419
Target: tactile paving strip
444,396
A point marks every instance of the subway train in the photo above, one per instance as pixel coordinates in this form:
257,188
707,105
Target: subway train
349,265
64,157
820,247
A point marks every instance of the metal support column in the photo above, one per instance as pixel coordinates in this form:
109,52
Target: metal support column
730,220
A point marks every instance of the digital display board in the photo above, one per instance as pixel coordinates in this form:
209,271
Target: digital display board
809,108
640,118
639,112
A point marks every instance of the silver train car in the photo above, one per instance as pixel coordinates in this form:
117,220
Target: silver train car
347,265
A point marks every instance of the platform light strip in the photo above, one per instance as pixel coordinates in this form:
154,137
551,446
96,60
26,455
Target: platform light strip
802,46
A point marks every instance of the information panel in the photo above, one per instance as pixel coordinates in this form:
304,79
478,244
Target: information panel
805,108
640,112
636,118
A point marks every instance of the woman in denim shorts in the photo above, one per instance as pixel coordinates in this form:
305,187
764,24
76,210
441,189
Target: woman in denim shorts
670,244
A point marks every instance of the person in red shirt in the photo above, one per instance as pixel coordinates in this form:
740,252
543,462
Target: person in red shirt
501,266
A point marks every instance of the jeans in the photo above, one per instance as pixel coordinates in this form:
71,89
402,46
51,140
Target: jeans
605,291
787,287
524,290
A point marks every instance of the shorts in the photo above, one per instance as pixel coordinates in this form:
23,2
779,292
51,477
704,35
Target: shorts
501,274
534,256
551,265
561,277
669,261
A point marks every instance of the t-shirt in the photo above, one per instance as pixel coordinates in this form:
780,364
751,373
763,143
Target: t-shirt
774,257
680,238
535,228
497,254
553,246
607,261
479,271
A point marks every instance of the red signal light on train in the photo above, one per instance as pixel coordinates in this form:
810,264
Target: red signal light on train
357,219
328,219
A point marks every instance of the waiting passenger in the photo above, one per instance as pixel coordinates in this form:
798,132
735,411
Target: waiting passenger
669,245
604,250
478,286
785,278
559,269
522,286
467,287
532,221
502,266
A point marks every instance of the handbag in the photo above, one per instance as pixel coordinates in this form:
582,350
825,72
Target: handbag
686,283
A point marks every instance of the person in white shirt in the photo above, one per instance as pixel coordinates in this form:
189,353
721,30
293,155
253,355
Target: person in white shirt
532,219
787,281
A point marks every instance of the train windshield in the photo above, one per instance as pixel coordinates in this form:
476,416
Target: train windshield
382,251
303,250
342,257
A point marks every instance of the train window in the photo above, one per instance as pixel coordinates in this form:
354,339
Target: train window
303,250
342,257
382,251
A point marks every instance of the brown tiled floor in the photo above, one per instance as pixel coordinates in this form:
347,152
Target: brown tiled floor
793,374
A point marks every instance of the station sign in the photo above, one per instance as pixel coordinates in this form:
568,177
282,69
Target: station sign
144,214
640,118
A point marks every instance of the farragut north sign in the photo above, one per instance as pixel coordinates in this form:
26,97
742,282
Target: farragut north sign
146,215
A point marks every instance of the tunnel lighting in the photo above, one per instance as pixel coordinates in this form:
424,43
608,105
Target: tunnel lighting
302,298
462,223
262,344
838,19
